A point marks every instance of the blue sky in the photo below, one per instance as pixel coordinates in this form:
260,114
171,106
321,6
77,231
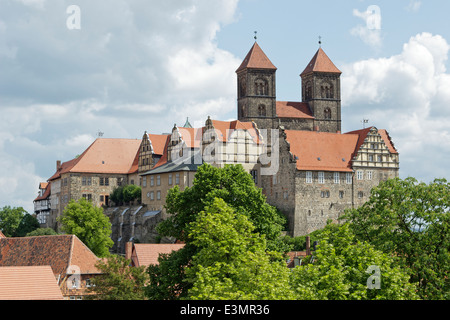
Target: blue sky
143,65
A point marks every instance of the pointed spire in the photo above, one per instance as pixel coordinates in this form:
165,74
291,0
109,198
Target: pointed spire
320,63
256,59
187,124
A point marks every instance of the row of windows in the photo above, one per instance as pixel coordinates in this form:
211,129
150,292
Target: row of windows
158,180
337,176
151,195
326,194
103,181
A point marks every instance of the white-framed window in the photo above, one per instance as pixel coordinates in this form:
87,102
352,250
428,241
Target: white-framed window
309,177
359,175
152,181
337,178
158,180
177,178
348,178
144,181
369,175
170,179
158,195
152,195
321,177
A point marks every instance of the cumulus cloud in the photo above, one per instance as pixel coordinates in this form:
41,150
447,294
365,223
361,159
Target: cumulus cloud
133,66
408,94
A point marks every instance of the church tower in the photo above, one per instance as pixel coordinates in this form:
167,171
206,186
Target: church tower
321,89
256,89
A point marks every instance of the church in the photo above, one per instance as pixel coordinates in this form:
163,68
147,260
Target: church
294,150
321,171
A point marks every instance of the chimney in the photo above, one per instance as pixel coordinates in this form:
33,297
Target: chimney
58,164
128,249
308,246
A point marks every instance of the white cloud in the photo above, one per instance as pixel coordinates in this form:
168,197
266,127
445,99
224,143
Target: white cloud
370,32
408,94
414,5
134,66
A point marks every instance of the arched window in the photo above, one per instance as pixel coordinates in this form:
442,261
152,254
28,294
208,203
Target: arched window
308,90
327,113
262,110
261,87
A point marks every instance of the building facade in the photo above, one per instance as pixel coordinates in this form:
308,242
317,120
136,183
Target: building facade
321,171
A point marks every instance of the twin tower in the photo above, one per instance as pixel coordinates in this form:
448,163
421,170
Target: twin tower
319,110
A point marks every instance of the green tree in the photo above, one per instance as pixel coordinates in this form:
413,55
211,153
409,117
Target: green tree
131,192
89,224
236,187
411,220
232,262
341,269
118,281
10,219
42,232
28,224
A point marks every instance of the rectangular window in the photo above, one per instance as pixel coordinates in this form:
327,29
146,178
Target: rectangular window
84,181
144,181
170,179
177,178
158,195
309,177
152,195
102,198
152,181
321,177
89,181
359,175
369,175
341,194
336,178
102,181
348,178
158,180
106,181
371,158
380,158
254,174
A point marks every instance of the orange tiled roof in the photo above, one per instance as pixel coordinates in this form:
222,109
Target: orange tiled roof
145,254
28,283
290,109
158,142
104,156
225,129
362,134
46,194
43,185
164,157
58,251
320,63
256,59
322,151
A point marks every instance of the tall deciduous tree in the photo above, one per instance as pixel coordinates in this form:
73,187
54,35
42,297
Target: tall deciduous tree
412,221
236,187
232,262
343,268
10,219
89,224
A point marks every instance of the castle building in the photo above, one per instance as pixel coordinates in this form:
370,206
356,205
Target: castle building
321,171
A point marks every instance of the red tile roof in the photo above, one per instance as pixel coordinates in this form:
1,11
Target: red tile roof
225,129
28,283
145,254
46,194
320,63
158,142
58,251
256,59
362,134
104,156
322,151
290,109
